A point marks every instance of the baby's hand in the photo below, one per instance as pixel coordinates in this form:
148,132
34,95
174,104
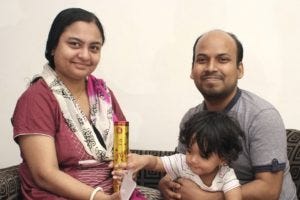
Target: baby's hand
135,162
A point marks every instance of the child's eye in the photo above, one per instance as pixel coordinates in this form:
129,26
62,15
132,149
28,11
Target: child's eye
205,156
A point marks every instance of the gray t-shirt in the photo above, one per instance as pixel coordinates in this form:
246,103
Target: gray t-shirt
264,147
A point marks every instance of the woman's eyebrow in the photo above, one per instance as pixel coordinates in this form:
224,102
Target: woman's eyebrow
79,40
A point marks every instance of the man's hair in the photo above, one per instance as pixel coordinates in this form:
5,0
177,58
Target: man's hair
64,19
214,132
239,47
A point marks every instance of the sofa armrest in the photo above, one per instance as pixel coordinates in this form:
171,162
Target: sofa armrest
293,152
10,183
148,178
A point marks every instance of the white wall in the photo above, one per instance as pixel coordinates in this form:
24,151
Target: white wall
146,59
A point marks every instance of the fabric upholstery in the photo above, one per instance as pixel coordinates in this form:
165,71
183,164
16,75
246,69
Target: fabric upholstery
9,183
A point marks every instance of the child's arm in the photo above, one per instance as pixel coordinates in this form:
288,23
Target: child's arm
137,162
234,194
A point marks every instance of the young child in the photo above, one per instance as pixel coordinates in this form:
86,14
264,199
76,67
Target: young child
212,141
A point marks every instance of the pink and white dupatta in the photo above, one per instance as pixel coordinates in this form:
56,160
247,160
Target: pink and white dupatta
102,115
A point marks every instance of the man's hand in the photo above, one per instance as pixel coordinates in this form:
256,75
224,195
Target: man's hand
191,191
169,188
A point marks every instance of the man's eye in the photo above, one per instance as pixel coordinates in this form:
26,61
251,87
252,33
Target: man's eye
223,60
201,60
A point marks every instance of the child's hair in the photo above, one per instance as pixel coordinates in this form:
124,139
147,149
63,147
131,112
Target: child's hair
214,132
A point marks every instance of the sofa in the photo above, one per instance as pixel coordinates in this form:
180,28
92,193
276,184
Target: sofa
148,180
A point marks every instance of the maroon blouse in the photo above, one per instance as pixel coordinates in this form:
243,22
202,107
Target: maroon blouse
38,112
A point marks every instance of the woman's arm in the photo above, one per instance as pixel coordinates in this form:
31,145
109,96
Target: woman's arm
40,155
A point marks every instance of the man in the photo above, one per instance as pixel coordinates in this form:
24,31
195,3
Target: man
262,167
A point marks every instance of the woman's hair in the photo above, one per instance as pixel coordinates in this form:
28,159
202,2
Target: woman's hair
64,19
214,132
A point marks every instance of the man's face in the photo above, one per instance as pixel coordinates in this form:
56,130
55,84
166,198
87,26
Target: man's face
215,70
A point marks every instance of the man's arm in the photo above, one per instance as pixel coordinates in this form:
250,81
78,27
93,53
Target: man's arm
266,132
267,185
168,187
191,191
234,194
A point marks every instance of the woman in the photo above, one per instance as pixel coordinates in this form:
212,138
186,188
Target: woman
63,122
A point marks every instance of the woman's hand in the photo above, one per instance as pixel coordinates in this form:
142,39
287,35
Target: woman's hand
103,196
119,170
115,196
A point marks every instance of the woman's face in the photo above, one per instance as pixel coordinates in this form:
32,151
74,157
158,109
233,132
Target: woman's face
78,51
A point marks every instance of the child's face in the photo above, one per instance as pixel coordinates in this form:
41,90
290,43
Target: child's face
202,166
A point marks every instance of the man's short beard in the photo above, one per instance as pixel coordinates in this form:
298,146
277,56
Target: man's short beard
217,95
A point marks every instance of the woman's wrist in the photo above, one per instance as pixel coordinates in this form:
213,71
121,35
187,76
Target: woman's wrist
93,194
